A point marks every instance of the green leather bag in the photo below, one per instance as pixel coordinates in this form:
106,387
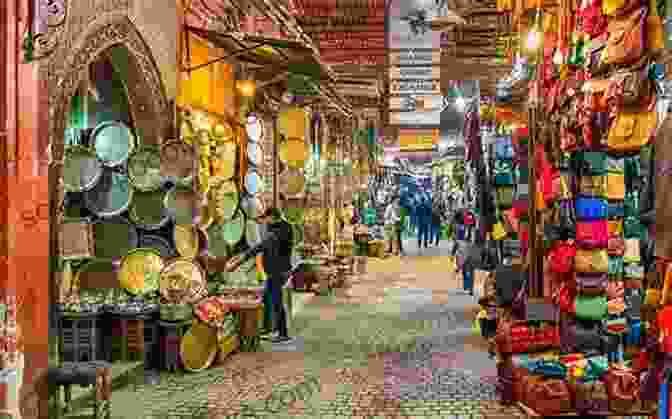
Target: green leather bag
590,308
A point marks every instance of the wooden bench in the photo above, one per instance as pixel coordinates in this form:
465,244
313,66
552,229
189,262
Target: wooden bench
96,374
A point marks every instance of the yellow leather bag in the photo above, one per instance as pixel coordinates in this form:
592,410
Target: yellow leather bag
616,186
591,261
498,231
655,37
615,227
631,131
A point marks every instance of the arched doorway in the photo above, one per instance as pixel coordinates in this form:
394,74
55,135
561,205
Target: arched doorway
113,37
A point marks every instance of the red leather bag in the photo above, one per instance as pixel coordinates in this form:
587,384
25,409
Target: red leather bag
592,234
561,257
623,390
616,246
548,397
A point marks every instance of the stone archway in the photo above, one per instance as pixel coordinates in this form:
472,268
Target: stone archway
144,88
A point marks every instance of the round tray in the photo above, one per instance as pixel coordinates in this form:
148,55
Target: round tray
187,240
254,129
114,237
148,209
184,279
177,160
82,170
144,169
111,196
113,142
158,243
233,230
198,348
180,202
144,263
225,198
292,182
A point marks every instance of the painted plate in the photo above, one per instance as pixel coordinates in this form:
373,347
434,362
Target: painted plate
199,347
183,278
252,182
113,142
177,160
140,271
217,244
254,129
181,204
187,241
292,182
224,160
158,243
144,169
81,170
226,199
114,238
255,154
111,196
234,229
148,209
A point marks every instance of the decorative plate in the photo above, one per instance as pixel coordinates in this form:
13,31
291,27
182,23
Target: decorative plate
186,240
113,142
111,196
144,169
183,281
233,230
226,199
81,170
199,347
158,243
114,238
292,182
140,271
181,204
254,129
148,209
177,160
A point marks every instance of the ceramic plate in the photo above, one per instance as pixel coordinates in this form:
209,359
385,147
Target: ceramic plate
184,278
233,230
111,196
82,170
144,169
114,238
140,271
148,209
226,199
158,243
217,244
186,240
113,142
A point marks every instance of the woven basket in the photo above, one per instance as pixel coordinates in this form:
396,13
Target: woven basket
76,239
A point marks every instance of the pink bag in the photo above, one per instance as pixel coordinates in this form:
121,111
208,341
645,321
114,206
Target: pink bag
592,234
616,246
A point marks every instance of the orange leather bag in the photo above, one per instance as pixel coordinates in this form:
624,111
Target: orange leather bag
627,38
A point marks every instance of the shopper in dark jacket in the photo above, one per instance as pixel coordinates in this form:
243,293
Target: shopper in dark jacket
276,250
472,261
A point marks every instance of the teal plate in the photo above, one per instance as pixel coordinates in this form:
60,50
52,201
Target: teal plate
111,196
114,142
148,209
81,170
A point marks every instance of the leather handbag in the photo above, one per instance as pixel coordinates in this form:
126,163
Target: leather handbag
591,284
632,251
615,268
630,131
561,257
591,209
616,306
616,165
505,196
623,390
616,209
615,289
591,261
633,271
631,203
582,337
592,163
593,186
548,397
592,234
590,307
627,38
504,148
616,246
615,186
498,231
503,173
634,85
590,396
566,187
632,228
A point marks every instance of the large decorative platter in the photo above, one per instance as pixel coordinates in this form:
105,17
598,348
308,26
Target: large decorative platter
113,142
81,170
181,204
144,169
187,240
114,238
234,229
140,271
184,279
111,196
148,209
292,182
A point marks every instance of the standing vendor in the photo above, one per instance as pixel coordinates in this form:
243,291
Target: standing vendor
276,250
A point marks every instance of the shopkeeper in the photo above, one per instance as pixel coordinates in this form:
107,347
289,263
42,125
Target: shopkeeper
276,250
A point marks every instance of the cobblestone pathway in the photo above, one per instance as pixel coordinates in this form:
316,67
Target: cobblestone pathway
397,343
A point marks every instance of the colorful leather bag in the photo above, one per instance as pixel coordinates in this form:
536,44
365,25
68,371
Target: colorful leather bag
615,186
566,185
592,163
616,246
548,397
593,186
632,228
631,131
623,390
634,86
505,196
561,257
591,284
591,261
504,148
592,234
616,209
498,231
633,271
627,38
619,7
616,165
503,173
615,289
632,251
615,227
590,396
634,335
590,307
589,209
631,203
616,306
615,267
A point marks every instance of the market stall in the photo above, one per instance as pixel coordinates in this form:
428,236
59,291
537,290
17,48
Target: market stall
594,117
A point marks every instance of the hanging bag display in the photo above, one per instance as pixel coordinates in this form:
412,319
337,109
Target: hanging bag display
503,173
631,131
590,307
566,180
592,163
592,234
591,284
627,38
615,267
615,186
631,204
632,228
505,196
591,261
616,209
623,390
632,251
561,257
633,271
504,148
593,186
616,246
615,289
588,209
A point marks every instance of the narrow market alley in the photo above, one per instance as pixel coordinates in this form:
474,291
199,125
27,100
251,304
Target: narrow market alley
395,343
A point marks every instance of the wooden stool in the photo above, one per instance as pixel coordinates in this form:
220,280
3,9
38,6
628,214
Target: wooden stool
249,327
96,373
